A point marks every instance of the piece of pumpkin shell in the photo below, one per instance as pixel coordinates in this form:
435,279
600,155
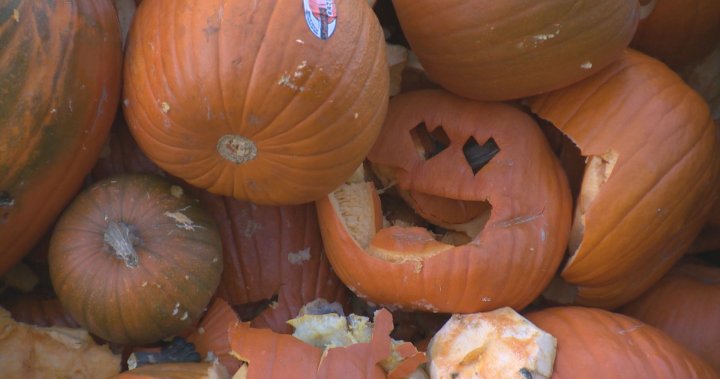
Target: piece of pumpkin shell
272,252
211,338
200,370
651,169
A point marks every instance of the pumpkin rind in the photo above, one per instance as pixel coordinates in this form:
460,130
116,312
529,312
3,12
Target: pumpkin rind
652,148
61,65
164,288
240,98
685,304
507,263
595,343
500,50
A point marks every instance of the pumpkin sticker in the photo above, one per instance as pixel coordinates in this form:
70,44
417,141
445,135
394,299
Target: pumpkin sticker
321,17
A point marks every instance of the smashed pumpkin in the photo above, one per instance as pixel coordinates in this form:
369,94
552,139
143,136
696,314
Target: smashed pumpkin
650,177
483,177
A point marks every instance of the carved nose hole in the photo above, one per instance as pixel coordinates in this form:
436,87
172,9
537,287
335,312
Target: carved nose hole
429,144
477,156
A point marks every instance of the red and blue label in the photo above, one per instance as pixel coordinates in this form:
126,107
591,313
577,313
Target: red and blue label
321,17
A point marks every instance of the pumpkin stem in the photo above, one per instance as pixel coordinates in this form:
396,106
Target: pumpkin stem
122,240
236,149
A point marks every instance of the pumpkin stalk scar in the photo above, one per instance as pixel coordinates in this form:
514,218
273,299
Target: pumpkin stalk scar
236,149
122,240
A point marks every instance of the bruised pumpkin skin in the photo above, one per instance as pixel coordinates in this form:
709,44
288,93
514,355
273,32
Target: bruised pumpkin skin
240,98
509,49
507,262
650,180
59,90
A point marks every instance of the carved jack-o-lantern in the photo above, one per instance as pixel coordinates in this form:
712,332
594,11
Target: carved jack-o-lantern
493,197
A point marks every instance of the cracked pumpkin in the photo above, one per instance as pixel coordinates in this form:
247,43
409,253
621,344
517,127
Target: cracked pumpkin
481,173
240,98
134,259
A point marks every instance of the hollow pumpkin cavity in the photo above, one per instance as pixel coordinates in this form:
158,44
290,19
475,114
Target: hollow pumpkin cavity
597,171
236,149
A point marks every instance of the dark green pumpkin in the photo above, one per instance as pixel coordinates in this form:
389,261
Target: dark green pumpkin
60,65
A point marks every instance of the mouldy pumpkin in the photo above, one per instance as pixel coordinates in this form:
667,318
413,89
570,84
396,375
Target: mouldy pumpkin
467,168
595,343
685,304
650,177
134,259
241,97
59,90
272,255
499,50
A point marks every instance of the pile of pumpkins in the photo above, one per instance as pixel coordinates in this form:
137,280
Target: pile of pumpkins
208,170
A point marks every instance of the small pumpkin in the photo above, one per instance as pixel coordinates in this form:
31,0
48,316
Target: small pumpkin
272,252
134,259
242,98
59,90
466,167
500,50
593,342
685,304
652,168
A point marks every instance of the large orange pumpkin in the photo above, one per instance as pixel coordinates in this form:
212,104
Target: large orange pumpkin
595,343
134,259
685,304
240,98
498,50
272,252
481,170
59,88
650,179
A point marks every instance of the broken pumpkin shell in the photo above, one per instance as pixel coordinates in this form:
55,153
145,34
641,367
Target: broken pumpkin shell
495,344
201,370
651,169
134,259
278,356
515,209
272,254
501,50
211,337
593,342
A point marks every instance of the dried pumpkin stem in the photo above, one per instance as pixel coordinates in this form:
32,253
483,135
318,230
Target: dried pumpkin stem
122,240
236,149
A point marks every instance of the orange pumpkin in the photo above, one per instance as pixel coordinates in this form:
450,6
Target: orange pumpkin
59,88
272,252
242,99
685,304
482,171
135,259
679,32
499,50
593,343
651,149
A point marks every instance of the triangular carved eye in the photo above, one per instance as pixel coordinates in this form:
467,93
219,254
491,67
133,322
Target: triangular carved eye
429,144
477,156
